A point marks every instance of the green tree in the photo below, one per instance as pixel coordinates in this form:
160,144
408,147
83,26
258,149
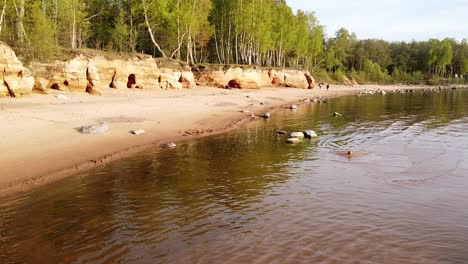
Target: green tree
120,33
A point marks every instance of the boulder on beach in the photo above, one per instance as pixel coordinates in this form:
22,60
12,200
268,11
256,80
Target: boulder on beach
95,129
138,131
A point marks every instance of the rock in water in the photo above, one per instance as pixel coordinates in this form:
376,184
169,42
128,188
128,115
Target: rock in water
297,135
95,129
293,140
281,132
266,115
293,107
169,145
310,134
336,114
138,131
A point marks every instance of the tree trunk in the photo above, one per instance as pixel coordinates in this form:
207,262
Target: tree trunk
20,32
150,31
73,33
2,16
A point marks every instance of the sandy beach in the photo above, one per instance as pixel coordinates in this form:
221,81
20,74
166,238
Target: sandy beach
40,143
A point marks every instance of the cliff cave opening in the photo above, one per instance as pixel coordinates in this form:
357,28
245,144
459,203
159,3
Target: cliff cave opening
131,80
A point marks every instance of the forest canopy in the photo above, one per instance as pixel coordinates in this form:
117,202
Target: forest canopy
252,32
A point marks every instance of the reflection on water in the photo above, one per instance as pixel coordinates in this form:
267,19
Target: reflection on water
248,197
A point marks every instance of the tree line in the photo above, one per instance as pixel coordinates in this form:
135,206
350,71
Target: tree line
252,32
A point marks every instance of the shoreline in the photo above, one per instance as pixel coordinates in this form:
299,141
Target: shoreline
67,152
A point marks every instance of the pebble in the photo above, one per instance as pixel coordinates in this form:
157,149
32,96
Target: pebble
169,145
61,97
138,131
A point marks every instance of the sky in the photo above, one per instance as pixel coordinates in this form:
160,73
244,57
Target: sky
392,20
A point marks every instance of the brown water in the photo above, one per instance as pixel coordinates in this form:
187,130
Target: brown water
248,197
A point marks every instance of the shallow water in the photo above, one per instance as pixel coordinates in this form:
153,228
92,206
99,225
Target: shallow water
248,197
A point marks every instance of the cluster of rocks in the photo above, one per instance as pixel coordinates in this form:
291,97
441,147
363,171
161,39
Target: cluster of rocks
102,128
370,92
404,91
298,136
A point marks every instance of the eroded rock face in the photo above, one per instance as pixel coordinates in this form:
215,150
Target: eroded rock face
187,79
16,80
255,78
94,74
138,72
79,74
235,78
295,79
310,80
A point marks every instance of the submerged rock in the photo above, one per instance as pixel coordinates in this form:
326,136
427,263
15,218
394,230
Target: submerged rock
297,135
95,129
293,140
351,154
310,134
281,132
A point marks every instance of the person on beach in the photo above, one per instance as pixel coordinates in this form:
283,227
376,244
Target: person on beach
328,87
320,85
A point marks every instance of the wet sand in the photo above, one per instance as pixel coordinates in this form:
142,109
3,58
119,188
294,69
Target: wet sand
39,141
